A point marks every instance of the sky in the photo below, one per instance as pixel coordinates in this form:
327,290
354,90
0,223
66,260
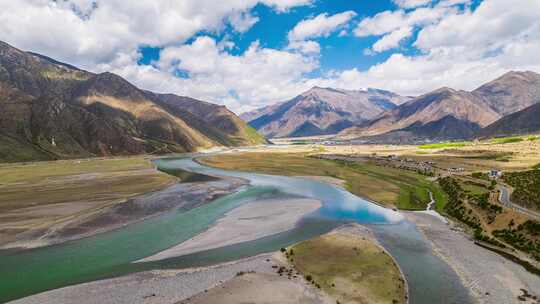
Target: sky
247,54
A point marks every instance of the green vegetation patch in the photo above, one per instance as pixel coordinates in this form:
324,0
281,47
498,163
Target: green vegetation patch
349,268
488,155
525,237
506,140
526,186
445,145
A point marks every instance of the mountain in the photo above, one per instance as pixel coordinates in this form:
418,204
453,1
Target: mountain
422,116
512,92
321,111
451,114
522,122
52,110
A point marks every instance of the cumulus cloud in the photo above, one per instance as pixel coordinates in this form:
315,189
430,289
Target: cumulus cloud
411,3
306,47
398,25
320,26
456,45
300,37
255,77
463,50
392,39
93,32
242,21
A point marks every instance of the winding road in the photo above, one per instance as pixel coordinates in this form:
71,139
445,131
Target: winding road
504,199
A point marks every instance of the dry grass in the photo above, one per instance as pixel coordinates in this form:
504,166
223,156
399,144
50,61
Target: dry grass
474,157
350,268
40,195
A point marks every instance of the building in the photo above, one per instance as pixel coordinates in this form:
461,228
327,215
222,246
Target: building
494,173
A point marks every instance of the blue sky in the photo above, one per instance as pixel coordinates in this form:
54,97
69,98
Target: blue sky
337,53
250,53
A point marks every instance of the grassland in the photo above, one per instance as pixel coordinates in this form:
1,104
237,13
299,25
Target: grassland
388,186
38,196
445,145
349,268
507,140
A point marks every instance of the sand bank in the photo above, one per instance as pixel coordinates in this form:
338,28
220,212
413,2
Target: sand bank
245,223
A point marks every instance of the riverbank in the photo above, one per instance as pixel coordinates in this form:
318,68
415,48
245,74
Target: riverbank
40,198
83,198
248,222
490,277
159,286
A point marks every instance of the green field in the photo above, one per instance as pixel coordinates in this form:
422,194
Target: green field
445,145
506,140
384,185
349,268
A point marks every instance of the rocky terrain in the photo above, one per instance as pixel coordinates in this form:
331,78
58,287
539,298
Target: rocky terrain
52,110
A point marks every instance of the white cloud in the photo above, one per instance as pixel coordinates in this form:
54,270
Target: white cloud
411,3
392,40
398,25
461,50
305,47
321,26
242,82
92,32
458,47
285,5
242,21
380,24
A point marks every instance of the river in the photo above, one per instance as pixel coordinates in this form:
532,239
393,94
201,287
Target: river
112,253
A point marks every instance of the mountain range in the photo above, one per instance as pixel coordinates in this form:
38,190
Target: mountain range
321,111
52,110
492,109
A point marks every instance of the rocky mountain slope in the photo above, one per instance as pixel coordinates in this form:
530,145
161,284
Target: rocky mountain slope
52,110
321,111
450,114
512,92
522,122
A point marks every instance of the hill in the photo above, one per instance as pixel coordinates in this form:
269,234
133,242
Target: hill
512,92
53,110
522,122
